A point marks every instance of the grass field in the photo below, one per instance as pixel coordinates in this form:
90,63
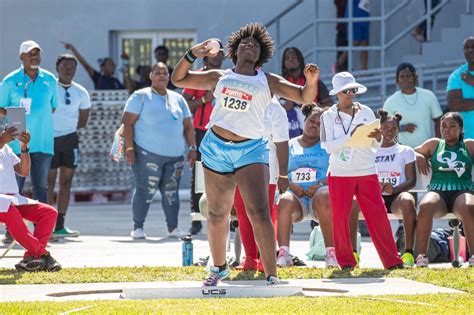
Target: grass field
461,279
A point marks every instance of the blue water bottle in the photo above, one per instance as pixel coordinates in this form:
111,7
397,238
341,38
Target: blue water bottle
187,250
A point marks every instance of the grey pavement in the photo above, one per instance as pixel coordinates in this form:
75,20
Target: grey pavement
105,240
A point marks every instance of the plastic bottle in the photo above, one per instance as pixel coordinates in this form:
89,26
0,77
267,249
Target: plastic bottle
187,248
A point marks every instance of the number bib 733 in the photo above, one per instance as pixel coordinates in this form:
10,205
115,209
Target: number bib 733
303,175
390,178
235,100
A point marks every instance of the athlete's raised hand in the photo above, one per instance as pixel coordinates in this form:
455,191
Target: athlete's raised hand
202,50
311,72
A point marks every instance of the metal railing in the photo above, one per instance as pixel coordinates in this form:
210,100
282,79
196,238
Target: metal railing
433,77
385,43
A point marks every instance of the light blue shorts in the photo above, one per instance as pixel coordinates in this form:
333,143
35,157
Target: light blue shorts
225,157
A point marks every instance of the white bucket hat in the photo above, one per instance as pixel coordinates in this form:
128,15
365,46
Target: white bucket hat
28,46
343,81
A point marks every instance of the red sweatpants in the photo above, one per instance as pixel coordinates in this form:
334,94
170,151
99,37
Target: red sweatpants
367,191
245,227
43,215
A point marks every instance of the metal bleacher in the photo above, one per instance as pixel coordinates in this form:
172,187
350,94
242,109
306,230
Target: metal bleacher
96,172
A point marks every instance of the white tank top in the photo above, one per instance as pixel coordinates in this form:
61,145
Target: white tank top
241,101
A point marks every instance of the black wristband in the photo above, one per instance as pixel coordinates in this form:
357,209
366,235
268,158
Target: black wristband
189,56
26,150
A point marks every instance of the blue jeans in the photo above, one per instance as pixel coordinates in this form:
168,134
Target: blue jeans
40,165
153,172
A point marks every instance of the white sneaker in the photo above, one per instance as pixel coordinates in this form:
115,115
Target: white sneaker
471,261
138,234
422,261
284,258
330,258
177,233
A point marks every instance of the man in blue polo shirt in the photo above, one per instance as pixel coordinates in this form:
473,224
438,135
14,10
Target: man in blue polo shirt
460,90
34,89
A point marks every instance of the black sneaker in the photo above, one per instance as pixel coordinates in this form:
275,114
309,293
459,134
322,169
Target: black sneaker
45,263
7,238
196,227
21,266
399,266
347,268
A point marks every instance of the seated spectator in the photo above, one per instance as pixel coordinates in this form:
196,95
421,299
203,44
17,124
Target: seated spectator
450,188
419,108
292,66
157,124
308,193
460,90
396,170
276,131
105,79
14,207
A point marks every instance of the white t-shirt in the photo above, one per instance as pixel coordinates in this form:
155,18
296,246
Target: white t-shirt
8,160
419,108
241,101
390,163
276,130
9,193
66,116
335,132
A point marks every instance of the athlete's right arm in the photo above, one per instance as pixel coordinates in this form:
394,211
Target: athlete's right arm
183,77
423,152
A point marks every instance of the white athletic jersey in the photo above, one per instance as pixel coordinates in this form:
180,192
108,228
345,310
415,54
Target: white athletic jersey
336,130
390,163
241,101
276,130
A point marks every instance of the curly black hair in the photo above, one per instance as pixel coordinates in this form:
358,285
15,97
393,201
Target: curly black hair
384,117
310,109
257,31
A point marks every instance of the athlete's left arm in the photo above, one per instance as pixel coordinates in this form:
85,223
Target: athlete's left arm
293,92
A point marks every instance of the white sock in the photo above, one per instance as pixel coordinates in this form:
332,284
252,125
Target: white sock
285,248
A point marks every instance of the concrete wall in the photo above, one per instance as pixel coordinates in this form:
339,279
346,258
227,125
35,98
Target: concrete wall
87,23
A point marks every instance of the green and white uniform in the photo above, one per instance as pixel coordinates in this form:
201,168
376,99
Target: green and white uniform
451,167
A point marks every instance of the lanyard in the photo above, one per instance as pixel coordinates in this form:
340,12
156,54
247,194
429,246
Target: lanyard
25,89
342,123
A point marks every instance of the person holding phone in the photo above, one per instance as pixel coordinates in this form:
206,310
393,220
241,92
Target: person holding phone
14,207
352,172
34,89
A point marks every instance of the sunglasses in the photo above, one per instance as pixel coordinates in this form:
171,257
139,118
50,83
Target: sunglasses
67,99
353,90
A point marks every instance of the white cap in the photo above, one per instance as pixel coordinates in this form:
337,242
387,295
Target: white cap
28,46
343,81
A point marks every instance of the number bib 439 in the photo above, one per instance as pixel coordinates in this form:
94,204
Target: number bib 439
390,178
303,175
235,100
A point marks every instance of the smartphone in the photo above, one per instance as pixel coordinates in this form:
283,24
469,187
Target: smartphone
17,118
